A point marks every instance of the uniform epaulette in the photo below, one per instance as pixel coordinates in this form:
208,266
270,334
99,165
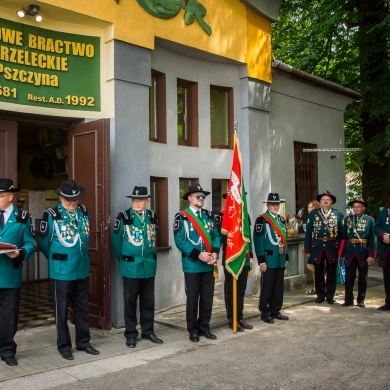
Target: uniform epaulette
44,225
83,208
123,216
181,215
23,216
208,212
151,214
53,212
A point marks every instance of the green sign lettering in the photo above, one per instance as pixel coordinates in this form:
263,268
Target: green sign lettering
45,68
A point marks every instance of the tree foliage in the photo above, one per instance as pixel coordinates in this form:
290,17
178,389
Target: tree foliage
347,42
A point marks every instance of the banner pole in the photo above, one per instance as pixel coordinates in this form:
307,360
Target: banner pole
234,305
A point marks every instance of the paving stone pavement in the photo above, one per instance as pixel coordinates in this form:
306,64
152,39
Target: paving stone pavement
39,359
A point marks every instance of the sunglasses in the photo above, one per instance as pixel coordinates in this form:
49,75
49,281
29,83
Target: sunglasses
203,196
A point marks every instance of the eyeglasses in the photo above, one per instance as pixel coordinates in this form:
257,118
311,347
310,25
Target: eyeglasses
203,196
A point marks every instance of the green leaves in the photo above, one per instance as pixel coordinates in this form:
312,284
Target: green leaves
346,41
193,9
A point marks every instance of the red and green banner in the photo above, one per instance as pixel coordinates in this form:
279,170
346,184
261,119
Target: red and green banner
235,222
46,68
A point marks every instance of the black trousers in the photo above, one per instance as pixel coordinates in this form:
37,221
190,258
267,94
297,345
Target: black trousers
228,290
200,294
386,281
271,294
9,318
144,290
327,290
350,276
75,292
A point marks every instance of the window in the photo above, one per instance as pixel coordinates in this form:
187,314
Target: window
187,113
159,203
219,187
221,117
183,188
306,174
157,108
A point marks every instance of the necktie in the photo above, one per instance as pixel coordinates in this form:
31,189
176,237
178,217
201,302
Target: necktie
2,218
198,214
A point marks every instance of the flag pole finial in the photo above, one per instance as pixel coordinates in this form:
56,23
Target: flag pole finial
235,126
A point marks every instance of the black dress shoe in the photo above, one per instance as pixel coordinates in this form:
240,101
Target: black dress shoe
245,325
347,304
361,304
239,327
320,300
330,301
90,350
280,317
384,307
267,319
131,343
153,338
207,334
67,355
194,337
10,361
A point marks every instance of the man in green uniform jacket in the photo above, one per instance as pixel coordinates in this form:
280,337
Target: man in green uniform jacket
63,239
198,238
134,244
322,240
358,246
382,230
241,282
270,242
15,230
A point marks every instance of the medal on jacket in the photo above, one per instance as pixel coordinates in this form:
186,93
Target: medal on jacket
325,216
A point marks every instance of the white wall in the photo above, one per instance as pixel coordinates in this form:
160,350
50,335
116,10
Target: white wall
306,112
173,161
270,118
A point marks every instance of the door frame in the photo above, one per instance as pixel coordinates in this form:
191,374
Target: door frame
103,229
69,123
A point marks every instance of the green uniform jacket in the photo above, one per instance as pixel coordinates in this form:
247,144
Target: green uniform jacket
364,226
64,242
134,243
17,231
191,244
265,241
382,226
317,230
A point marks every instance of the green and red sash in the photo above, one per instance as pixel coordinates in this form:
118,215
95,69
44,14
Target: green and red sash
200,228
203,233
278,229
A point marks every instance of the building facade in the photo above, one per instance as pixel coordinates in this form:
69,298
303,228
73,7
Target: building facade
127,93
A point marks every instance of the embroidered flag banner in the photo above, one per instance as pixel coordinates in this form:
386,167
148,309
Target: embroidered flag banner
235,223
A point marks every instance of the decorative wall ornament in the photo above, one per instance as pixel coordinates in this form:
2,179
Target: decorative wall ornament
167,9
